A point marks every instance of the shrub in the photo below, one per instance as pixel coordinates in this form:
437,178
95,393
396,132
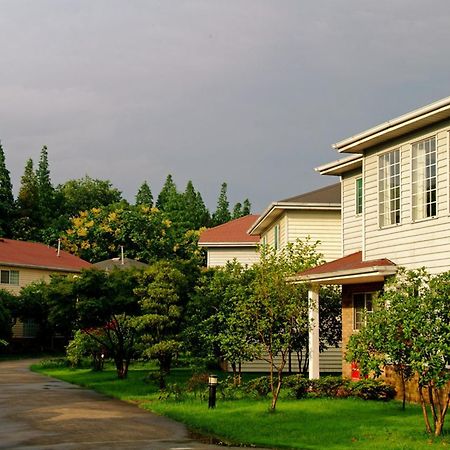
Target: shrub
329,387
228,390
258,386
54,363
298,385
172,391
370,389
197,384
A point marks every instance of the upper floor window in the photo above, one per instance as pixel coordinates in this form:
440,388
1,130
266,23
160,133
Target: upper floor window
359,195
9,277
389,188
264,240
276,237
424,179
362,305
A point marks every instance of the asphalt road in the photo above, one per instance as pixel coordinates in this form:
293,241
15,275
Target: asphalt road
38,412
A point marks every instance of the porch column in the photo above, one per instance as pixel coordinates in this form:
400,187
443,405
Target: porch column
313,316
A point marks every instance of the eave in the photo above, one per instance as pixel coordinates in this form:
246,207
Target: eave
341,166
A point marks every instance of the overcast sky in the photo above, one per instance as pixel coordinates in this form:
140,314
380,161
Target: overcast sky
251,92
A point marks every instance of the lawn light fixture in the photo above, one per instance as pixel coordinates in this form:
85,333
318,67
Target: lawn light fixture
212,383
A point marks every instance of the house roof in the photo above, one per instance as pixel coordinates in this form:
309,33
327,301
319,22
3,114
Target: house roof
349,270
340,166
119,263
233,233
39,256
325,198
414,120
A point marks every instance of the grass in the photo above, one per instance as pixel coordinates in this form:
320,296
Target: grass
297,424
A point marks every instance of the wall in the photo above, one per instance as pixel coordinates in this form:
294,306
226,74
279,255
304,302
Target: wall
410,244
220,256
351,222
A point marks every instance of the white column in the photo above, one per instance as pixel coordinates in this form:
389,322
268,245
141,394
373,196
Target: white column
313,316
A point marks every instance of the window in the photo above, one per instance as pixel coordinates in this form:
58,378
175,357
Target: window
359,195
389,188
264,240
9,277
276,237
362,305
424,179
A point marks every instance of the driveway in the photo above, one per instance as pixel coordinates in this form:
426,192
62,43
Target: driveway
38,412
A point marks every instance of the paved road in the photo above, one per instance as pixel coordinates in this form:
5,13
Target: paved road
38,412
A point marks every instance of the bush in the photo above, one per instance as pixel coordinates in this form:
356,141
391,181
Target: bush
372,390
298,385
54,363
228,390
329,387
198,384
258,386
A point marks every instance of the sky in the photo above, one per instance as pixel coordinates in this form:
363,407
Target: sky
250,92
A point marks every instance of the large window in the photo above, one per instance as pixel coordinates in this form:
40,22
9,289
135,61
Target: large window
389,188
359,195
9,277
424,179
362,305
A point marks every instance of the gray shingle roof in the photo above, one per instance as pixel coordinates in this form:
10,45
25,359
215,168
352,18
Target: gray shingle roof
327,194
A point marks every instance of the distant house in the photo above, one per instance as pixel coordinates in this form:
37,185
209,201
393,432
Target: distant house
316,214
231,241
119,263
22,263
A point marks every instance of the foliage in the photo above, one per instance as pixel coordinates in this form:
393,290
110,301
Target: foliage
278,309
86,193
6,197
144,195
222,213
84,345
7,301
410,331
161,293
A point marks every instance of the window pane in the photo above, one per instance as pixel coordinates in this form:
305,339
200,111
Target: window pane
4,277
14,277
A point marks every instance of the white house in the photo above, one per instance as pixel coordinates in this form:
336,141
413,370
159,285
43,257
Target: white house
395,210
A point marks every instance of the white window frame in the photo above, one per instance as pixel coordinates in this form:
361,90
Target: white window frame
276,237
387,214
361,312
12,274
359,198
424,200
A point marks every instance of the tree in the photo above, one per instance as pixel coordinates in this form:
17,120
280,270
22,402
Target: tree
222,214
106,308
246,207
237,211
6,197
28,223
410,331
46,192
144,195
86,193
278,309
161,294
195,213
167,195
7,301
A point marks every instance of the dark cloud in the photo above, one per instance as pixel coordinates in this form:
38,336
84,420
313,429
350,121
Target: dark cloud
250,92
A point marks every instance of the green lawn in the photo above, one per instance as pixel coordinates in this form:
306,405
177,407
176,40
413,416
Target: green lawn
299,424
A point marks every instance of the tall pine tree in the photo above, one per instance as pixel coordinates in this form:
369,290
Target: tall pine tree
27,225
237,211
6,197
167,195
222,213
195,212
246,207
46,191
144,195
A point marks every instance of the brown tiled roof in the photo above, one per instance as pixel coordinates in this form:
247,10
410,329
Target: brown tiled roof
33,254
234,231
327,194
350,262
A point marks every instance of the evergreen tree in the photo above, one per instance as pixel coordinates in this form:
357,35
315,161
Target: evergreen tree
167,194
196,215
246,207
144,195
46,192
222,213
6,197
27,225
237,211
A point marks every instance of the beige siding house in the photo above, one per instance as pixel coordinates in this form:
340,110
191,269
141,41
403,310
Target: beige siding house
316,214
22,263
231,241
398,214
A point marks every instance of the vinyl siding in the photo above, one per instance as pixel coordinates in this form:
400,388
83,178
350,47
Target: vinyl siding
269,234
351,222
410,244
220,256
323,226
330,361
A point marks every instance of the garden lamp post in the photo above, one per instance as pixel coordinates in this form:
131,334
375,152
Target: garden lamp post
212,383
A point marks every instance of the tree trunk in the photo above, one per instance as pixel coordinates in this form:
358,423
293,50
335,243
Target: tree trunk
424,410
